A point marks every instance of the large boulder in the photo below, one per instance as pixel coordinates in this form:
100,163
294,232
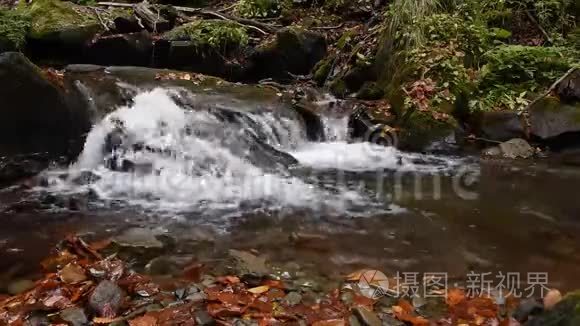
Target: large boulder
133,49
501,125
558,113
35,115
60,30
294,51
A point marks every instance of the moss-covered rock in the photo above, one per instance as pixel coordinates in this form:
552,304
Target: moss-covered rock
338,88
420,129
370,91
51,16
322,70
222,36
13,29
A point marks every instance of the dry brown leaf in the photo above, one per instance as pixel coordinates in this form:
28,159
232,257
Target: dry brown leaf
72,273
146,320
105,320
259,289
332,322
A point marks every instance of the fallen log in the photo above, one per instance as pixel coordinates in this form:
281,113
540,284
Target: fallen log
153,21
249,23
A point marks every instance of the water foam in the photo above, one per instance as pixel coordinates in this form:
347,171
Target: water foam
203,162
205,174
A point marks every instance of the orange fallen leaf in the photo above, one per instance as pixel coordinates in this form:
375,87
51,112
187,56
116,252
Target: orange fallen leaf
105,320
228,279
454,297
146,320
404,311
72,273
332,322
259,289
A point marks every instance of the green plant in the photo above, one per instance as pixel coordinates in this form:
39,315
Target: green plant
14,26
216,35
258,8
514,74
517,63
402,33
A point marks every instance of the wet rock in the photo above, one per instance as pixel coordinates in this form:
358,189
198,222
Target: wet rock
18,167
54,127
127,24
196,297
549,118
106,299
75,316
138,237
553,116
60,30
186,55
132,49
314,126
367,317
249,263
527,308
512,149
293,298
501,125
294,51
203,318
38,318
85,178
19,286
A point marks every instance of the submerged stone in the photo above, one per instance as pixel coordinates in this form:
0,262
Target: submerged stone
75,316
106,299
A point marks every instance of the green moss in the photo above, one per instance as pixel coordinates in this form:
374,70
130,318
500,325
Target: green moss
211,34
322,70
338,88
258,8
420,129
515,74
14,26
370,91
52,15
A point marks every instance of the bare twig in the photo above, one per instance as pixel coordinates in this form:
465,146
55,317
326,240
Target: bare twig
249,23
551,89
328,27
228,7
535,21
100,19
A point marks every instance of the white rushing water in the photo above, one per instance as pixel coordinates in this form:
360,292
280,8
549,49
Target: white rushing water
196,161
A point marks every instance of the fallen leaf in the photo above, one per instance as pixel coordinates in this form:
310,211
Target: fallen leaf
454,297
228,279
259,289
105,320
146,320
333,322
72,273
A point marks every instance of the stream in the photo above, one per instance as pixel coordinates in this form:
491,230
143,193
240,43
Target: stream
236,175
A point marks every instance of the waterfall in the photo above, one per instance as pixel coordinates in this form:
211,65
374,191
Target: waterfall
166,153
